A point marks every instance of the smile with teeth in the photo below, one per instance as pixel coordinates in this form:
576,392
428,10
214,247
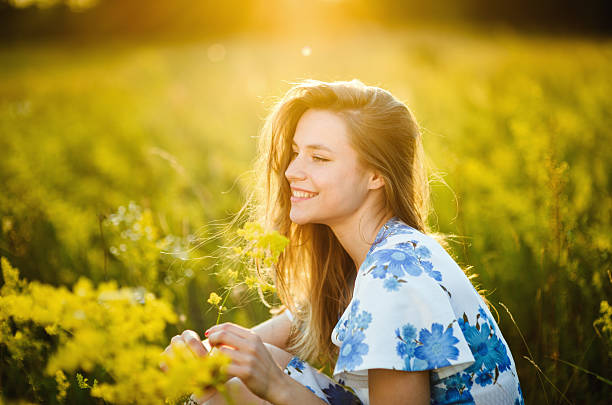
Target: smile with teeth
297,194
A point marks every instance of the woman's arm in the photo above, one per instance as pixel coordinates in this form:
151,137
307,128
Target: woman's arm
398,387
275,330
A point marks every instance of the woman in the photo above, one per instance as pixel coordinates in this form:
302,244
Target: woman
342,177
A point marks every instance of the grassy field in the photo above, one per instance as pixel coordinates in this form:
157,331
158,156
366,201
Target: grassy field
517,130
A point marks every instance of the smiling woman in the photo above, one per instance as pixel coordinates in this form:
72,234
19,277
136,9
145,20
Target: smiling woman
366,288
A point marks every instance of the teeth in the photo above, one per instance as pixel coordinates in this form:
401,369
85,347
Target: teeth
303,194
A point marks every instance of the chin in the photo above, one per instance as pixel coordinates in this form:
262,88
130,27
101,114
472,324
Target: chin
305,220
298,219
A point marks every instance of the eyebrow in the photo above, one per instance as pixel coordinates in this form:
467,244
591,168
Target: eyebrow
315,146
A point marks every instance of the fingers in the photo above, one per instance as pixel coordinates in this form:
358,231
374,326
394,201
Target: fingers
194,343
166,353
176,340
189,339
231,327
229,338
239,371
242,366
236,356
233,335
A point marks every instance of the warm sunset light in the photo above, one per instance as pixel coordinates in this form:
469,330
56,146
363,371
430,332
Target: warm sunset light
163,174
306,51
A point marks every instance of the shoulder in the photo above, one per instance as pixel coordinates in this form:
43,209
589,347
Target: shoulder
399,235
402,251
407,253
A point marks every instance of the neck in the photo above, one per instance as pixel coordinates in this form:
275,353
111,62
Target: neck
357,233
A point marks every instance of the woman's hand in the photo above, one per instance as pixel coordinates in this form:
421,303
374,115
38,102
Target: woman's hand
251,361
188,338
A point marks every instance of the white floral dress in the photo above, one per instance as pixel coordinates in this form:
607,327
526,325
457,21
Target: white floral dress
414,309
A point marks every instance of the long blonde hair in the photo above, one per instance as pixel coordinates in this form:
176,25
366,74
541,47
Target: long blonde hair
314,272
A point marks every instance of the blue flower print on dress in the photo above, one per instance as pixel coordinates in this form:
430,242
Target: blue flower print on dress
413,264
407,245
484,378
352,337
352,351
429,270
369,260
431,350
406,346
488,350
397,262
392,284
338,394
341,330
354,308
456,391
362,321
297,364
379,272
422,252
407,341
437,346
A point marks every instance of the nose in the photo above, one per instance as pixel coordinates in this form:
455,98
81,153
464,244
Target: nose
294,170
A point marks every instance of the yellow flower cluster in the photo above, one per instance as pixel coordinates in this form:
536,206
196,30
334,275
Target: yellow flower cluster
115,329
261,246
603,324
262,250
62,385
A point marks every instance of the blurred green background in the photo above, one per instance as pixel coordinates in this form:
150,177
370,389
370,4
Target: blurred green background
111,108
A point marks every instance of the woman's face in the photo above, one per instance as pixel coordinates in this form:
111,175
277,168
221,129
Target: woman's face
328,184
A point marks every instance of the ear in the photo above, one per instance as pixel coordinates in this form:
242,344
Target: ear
376,181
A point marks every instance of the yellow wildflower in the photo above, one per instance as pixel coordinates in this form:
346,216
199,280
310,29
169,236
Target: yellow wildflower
62,385
214,299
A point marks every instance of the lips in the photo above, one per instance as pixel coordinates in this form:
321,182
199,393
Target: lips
301,195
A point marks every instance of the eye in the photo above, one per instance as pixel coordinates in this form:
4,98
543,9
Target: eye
319,158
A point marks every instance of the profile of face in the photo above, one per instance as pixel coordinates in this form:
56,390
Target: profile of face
328,183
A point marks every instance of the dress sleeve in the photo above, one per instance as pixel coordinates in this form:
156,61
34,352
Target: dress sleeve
400,318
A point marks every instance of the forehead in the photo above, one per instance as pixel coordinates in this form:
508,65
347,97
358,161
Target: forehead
324,128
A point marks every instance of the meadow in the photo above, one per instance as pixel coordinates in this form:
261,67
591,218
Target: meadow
96,139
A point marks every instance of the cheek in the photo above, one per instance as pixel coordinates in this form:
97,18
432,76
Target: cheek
347,188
